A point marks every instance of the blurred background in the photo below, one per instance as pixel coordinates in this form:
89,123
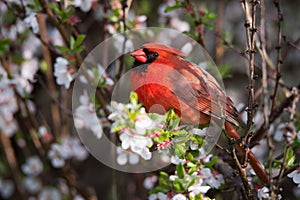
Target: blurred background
36,118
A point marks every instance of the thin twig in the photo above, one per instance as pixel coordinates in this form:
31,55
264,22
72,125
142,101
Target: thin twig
250,26
279,56
50,81
243,175
276,113
11,162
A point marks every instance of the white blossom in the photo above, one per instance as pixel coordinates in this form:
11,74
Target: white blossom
295,175
149,182
198,188
179,25
31,47
9,127
33,166
50,193
136,143
176,160
179,197
158,196
85,116
62,72
84,5
73,148
214,181
31,21
119,43
101,73
143,123
263,193
6,188
187,48
57,154
25,77
126,156
32,184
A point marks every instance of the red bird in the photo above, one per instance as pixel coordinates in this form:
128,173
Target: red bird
164,80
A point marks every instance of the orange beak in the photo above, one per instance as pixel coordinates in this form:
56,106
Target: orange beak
139,55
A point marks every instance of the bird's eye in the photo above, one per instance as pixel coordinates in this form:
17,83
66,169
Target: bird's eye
155,54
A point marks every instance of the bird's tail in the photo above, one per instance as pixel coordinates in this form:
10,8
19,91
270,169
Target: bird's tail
231,131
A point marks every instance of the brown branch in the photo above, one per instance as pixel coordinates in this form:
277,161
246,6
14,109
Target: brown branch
250,26
49,76
11,161
243,175
279,56
275,114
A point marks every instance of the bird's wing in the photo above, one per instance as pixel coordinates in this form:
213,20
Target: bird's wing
200,90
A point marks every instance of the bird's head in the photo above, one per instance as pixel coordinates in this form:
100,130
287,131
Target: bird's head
151,52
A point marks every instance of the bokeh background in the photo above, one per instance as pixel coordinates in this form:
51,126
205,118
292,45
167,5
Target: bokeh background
219,25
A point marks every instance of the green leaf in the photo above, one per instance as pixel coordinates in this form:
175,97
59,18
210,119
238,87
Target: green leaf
178,4
164,175
212,162
192,170
133,98
179,149
225,71
43,66
209,26
72,43
290,157
178,185
211,16
190,157
180,171
198,139
4,45
62,48
171,8
79,40
158,189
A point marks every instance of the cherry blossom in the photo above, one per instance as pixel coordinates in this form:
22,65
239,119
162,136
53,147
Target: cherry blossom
263,193
136,143
179,197
62,72
149,182
26,76
73,148
143,123
119,42
44,134
198,188
176,160
32,184
6,188
57,154
49,193
85,116
33,166
101,73
158,196
214,180
295,175
126,156
31,21
84,5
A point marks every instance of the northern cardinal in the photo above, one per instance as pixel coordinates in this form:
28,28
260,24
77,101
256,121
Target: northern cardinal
164,80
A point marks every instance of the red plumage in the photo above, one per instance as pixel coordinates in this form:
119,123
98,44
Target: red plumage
161,76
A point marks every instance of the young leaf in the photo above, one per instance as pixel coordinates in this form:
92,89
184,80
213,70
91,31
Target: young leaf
180,170
290,157
79,40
